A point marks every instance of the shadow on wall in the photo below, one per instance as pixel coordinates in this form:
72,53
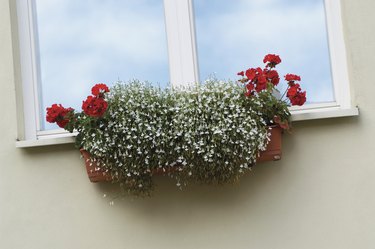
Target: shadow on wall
267,184
168,199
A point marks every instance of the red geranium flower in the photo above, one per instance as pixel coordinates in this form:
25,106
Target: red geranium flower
242,73
94,106
298,99
261,83
257,80
272,60
251,73
295,95
250,87
273,76
99,89
249,93
260,77
62,123
58,114
292,77
293,90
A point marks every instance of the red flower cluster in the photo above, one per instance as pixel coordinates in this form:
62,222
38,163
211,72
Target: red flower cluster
294,92
257,80
272,60
99,89
273,77
95,106
58,114
292,77
298,99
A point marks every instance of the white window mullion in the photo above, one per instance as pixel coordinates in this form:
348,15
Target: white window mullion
181,42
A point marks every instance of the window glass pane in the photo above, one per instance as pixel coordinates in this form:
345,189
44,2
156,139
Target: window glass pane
235,35
86,42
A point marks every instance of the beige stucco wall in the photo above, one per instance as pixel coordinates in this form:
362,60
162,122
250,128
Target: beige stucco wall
320,195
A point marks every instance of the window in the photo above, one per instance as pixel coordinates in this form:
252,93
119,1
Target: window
66,43
81,44
233,37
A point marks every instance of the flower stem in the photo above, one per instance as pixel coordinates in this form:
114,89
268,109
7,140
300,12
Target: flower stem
284,93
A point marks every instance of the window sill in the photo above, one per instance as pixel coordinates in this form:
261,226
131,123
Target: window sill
322,113
45,142
47,138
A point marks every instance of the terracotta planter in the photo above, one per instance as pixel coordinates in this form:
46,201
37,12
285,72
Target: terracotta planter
272,153
94,173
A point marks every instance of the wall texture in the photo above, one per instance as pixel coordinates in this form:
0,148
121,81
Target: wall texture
320,195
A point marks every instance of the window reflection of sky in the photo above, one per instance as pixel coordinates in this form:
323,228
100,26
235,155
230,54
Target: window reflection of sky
235,35
86,42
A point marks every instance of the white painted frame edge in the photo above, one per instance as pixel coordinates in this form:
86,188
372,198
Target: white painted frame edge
29,68
337,50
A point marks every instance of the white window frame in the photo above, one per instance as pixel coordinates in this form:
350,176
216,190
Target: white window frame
343,105
183,63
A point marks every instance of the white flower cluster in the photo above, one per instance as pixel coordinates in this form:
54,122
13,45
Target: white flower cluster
209,133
